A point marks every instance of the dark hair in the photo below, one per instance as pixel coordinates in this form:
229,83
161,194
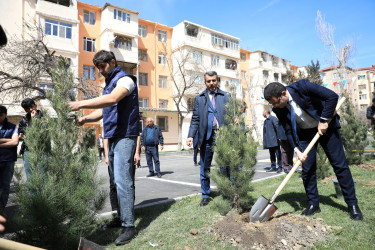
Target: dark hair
3,109
104,56
27,103
211,73
273,89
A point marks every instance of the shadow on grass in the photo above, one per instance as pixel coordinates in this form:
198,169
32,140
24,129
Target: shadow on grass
143,216
299,201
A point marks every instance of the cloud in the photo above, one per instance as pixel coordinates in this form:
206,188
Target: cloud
270,4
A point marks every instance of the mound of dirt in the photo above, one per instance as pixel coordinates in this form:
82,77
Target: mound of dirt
367,166
283,231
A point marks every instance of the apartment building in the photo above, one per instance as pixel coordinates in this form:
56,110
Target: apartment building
264,68
154,79
246,85
59,24
197,49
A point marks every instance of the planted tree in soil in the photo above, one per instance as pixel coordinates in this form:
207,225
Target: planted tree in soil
235,152
59,201
354,133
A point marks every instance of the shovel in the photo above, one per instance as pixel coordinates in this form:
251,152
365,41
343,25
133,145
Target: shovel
263,209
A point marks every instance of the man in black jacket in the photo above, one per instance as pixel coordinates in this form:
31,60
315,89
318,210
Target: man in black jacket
150,139
32,112
371,113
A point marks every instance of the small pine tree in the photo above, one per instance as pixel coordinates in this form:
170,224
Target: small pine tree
290,78
59,202
354,133
237,152
313,73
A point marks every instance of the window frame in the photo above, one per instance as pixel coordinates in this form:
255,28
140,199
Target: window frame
142,54
141,99
57,28
166,123
90,15
91,72
121,15
164,102
142,30
163,82
143,76
161,35
86,40
162,59
123,42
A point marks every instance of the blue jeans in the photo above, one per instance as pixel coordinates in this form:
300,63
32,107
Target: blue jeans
26,165
275,152
153,152
121,167
6,174
206,155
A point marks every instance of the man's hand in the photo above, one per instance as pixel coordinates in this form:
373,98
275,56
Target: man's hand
137,158
106,160
81,121
2,220
161,148
143,148
33,113
301,156
189,141
322,127
236,120
74,106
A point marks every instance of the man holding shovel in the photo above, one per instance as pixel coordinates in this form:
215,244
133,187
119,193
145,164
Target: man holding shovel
303,109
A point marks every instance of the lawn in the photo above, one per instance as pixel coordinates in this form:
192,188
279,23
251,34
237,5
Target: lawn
170,226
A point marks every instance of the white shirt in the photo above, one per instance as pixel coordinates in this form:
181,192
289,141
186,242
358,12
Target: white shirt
303,119
127,83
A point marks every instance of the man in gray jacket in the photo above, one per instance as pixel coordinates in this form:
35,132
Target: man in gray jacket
270,127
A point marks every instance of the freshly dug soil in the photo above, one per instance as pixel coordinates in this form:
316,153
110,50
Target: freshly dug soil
283,231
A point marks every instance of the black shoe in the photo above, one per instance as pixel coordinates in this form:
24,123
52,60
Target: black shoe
272,170
286,171
204,202
158,175
150,175
126,235
279,170
355,212
199,162
116,222
311,210
196,164
267,168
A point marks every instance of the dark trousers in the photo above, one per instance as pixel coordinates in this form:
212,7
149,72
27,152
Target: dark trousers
206,155
101,153
152,152
6,174
331,142
275,153
287,153
195,154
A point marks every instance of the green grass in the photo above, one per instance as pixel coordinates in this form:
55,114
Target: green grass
171,224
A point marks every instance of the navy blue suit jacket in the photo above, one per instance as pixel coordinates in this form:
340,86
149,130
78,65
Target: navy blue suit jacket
199,120
317,101
270,128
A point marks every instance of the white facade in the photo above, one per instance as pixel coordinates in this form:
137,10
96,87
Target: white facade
264,68
118,22
205,50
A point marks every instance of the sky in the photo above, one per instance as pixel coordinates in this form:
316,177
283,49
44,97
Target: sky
284,28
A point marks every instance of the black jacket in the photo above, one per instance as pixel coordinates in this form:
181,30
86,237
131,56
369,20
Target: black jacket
370,114
24,123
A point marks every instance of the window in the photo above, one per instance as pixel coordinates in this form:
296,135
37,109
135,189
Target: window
89,72
190,104
197,56
143,79
163,104
162,123
163,82
142,30
89,17
121,16
363,97
143,102
265,74
276,77
275,61
123,43
191,30
215,59
362,86
88,44
336,75
60,2
142,55
162,35
363,106
361,77
224,41
60,29
264,57
162,58
45,87
230,64
243,57
197,79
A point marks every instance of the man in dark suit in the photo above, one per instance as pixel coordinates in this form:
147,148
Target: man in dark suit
208,116
270,141
196,149
304,108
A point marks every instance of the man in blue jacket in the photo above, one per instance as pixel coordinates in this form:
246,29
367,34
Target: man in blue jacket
270,141
118,106
8,155
208,116
305,108
150,139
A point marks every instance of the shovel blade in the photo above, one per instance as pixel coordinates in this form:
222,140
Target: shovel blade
262,210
